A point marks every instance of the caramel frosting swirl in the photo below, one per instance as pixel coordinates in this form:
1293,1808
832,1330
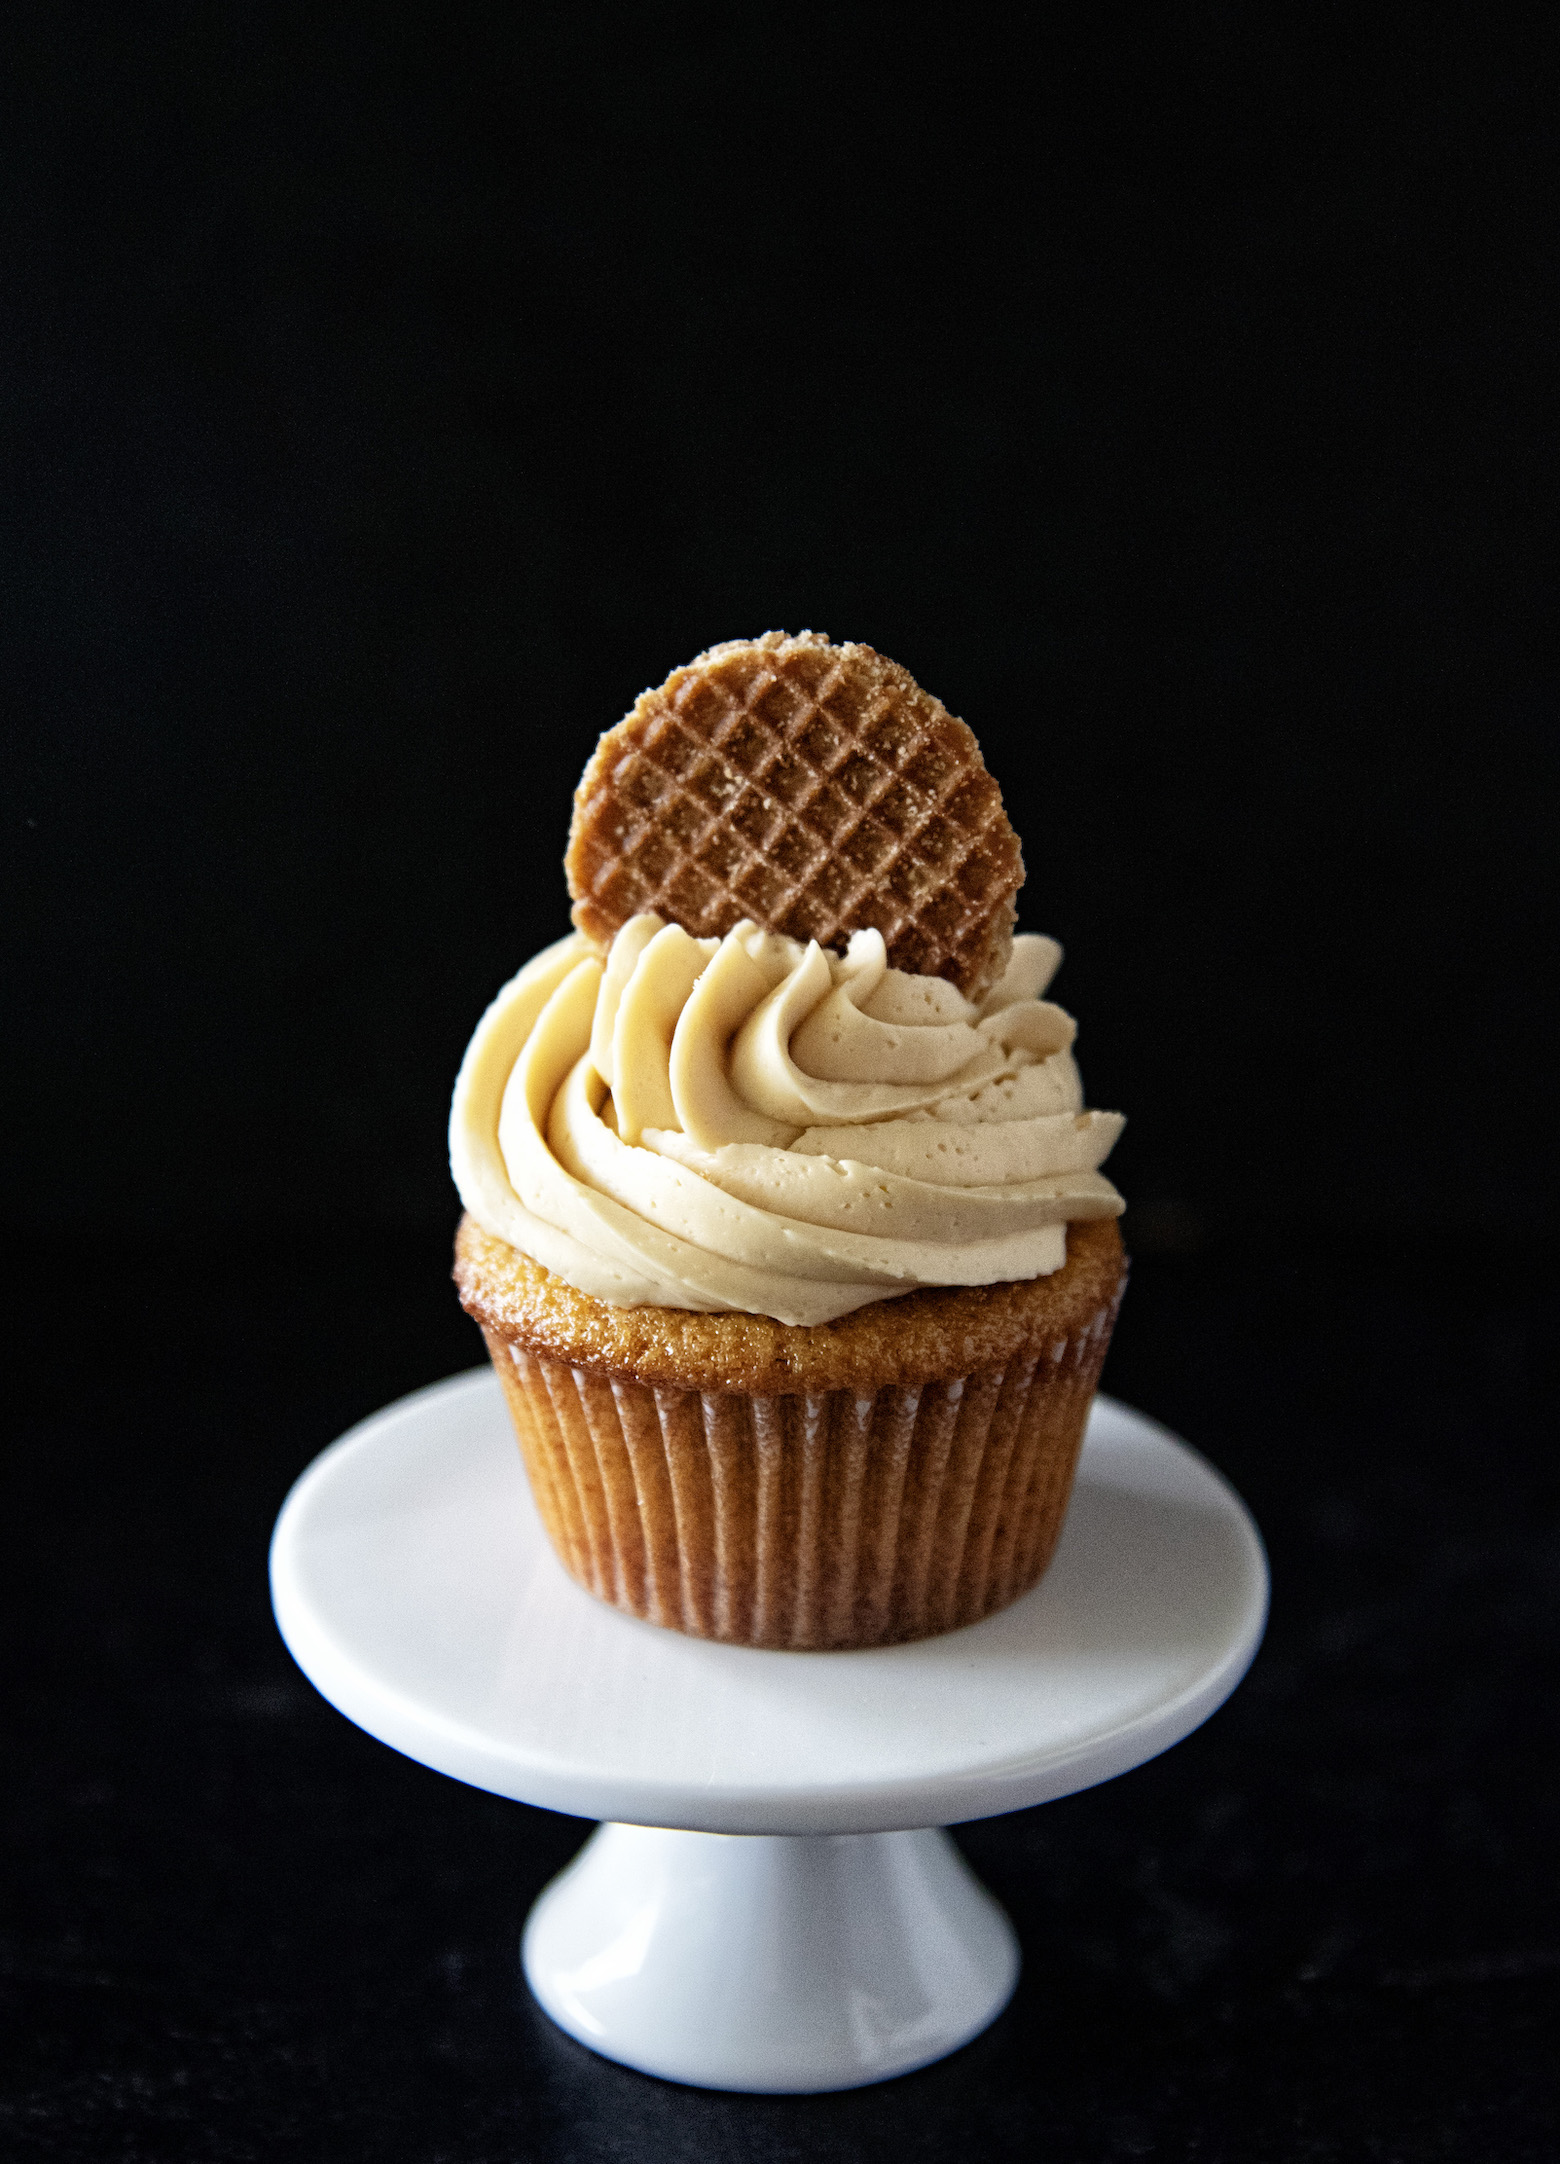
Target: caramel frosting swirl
753,1124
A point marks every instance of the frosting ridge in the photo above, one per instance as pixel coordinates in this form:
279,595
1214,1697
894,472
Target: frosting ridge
756,1124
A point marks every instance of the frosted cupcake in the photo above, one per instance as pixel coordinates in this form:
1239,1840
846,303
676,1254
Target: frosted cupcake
796,1265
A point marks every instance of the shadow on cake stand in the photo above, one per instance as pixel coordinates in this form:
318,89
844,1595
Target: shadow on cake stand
772,1903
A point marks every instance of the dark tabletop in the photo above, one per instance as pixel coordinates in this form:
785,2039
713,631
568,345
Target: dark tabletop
1326,1926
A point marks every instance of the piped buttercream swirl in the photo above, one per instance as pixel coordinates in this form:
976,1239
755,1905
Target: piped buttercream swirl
756,1125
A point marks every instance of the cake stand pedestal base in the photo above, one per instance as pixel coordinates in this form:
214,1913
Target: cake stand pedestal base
770,1961
764,1908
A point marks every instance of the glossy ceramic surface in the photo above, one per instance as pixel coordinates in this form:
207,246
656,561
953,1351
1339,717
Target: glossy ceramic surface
415,1587
839,1941
794,1962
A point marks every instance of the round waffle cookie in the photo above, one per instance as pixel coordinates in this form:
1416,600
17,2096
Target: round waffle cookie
814,788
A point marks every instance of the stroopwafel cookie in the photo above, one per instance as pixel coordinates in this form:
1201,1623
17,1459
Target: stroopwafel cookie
814,788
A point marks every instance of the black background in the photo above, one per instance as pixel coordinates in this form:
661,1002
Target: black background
388,398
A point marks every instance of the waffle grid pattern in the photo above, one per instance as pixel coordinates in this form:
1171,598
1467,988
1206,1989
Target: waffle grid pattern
816,789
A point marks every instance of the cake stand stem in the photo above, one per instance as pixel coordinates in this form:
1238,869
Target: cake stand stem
770,1961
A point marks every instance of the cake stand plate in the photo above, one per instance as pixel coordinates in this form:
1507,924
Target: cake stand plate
844,1939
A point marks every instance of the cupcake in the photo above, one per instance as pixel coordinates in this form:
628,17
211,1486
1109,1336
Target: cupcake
784,1220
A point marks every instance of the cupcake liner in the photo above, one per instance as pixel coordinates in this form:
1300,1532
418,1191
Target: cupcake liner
810,1521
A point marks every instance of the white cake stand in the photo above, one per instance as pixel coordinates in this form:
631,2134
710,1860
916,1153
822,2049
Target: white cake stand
844,1939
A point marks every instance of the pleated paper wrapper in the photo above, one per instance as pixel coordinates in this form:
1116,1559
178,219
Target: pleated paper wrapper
810,1522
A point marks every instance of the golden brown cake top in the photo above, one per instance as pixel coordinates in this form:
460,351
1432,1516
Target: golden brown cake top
815,789
926,1336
